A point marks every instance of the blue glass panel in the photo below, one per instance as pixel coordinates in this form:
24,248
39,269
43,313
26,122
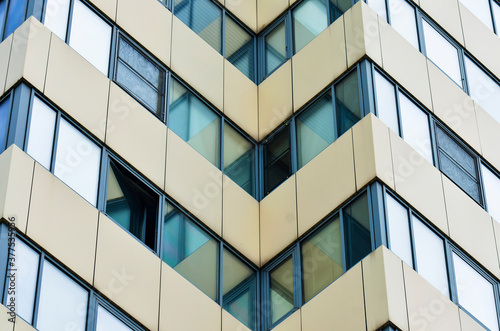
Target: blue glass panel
239,47
3,7
309,20
275,48
338,8
347,103
357,230
4,122
277,160
17,10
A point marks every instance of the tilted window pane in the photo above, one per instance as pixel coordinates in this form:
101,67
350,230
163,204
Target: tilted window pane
480,8
281,290
356,218
404,21
15,16
107,321
398,226
203,17
496,14
442,53
275,48
41,132
77,161
90,36
27,261
379,7
321,259
194,122
315,129
190,251
415,125
491,192
309,20
475,293
386,102
277,160
239,47
3,18
429,252
132,204
347,103
239,289
4,122
63,303
239,159
483,89
338,8
56,17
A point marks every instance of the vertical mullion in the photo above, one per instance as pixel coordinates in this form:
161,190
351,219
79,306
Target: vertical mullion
55,142
220,274
343,240
70,20
297,276
221,145
412,238
380,235
293,147
38,288
368,88
452,281
398,110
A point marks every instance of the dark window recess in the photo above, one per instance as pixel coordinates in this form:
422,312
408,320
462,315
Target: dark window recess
357,230
347,103
277,160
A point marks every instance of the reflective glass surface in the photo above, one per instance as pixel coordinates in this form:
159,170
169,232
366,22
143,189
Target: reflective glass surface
399,229
4,122
239,47
107,321
356,217
496,14
15,16
281,290
379,7
277,160
309,20
41,132
56,17
491,192
404,21
338,8
386,102
480,8
275,48
3,8
347,103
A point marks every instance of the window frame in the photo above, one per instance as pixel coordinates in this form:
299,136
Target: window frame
26,11
9,99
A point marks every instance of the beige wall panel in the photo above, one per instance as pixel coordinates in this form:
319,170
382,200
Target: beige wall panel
341,304
184,307
489,134
372,151
240,217
291,323
446,14
477,35
5,49
127,273
71,82
136,135
362,34
21,325
275,99
245,10
325,182
154,31
428,309
16,175
468,323
471,226
405,63
108,7
278,220
28,57
418,182
384,290
453,106
230,323
194,182
198,63
63,223
4,319
240,100
319,63
267,11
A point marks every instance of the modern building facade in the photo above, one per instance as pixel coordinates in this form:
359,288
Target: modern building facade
250,165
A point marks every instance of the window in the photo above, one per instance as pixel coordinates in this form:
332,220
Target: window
379,6
12,15
480,8
4,122
496,14
277,160
338,8
309,20
107,321
491,184
347,102
239,47
275,48
281,290
398,230
140,76
403,19
357,240
385,97
41,132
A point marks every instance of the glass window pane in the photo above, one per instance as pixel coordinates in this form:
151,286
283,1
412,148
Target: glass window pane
4,122
398,226
239,47
491,192
107,321
239,159
90,36
480,8
379,7
132,204
56,17
239,289
475,293
27,261
203,17
356,218
309,20
386,102
347,103
194,122
442,53
484,90
3,17
15,16
77,161
322,259
404,21
275,48
496,14
281,290
431,261
415,125
190,250
315,129
338,8
41,132
63,303
277,160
